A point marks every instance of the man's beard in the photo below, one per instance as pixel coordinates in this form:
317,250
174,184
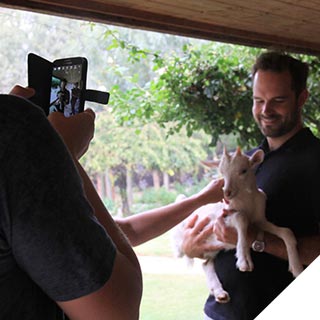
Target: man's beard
283,125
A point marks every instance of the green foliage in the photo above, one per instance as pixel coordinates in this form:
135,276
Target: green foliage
205,88
168,102
145,145
190,189
110,205
151,198
158,197
311,110
210,89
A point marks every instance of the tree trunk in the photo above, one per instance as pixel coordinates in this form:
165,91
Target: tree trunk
124,203
129,187
156,179
166,180
121,182
108,186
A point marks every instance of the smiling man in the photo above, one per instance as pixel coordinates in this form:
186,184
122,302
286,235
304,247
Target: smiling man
290,177
278,100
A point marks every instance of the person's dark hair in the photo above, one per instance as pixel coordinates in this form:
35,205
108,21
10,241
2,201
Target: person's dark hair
279,62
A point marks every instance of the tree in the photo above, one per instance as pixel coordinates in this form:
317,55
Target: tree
209,88
311,111
120,151
168,102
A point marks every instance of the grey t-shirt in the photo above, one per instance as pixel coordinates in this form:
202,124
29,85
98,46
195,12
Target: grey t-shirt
51,246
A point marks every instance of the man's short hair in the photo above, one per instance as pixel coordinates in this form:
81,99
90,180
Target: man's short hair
279,62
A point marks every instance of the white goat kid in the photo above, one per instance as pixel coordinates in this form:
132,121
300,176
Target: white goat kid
247,204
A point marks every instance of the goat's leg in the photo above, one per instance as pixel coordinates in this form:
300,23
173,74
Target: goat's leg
295,265
214,283
244,261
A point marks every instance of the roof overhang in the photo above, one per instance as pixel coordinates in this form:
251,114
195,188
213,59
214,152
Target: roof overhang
287,24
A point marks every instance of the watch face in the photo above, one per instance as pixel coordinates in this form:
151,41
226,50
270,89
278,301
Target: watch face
258,246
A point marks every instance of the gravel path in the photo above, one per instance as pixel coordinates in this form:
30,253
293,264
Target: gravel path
167,265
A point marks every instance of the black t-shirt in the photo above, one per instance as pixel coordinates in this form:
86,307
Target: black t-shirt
290,177
51,246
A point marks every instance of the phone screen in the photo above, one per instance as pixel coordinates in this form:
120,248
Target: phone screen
68,85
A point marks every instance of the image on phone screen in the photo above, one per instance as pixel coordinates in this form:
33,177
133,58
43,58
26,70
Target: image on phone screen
66,89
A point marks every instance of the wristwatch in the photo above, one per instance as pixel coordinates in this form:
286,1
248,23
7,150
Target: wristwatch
259,245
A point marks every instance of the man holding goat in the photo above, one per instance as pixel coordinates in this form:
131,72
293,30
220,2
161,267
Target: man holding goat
290,177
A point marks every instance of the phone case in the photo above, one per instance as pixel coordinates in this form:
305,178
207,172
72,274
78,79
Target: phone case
39,78
61,85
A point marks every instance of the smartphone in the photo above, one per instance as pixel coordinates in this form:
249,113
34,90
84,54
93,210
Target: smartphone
39,78
68,85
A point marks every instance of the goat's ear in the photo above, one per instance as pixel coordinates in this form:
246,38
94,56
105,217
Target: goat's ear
238,151
211,163
226,155
256,158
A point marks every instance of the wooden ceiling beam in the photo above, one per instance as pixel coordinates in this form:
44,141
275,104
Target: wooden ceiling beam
102,12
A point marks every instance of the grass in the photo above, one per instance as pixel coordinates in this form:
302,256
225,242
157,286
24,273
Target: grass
173,297
170,296
160,247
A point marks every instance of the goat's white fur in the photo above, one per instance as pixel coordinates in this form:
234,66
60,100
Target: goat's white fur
248,204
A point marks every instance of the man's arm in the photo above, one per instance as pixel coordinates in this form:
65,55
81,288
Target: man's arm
195,244
150,224
141,227
308,247
120,297
106,219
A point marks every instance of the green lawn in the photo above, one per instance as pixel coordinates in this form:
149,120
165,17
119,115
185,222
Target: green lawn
160,247
170,296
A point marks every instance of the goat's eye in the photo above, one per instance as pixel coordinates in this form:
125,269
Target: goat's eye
244,171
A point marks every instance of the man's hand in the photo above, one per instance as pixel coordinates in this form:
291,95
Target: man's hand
223,232
195,238
212,192
24,92
76,131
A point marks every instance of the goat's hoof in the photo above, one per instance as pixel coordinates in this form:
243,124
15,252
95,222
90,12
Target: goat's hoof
296,270
222,297
245,266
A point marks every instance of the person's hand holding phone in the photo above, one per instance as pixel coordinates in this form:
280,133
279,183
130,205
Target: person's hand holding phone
24,92
76,131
